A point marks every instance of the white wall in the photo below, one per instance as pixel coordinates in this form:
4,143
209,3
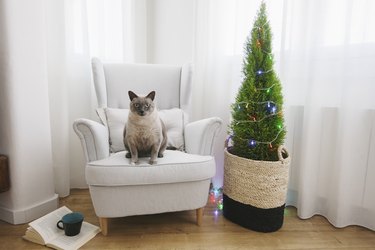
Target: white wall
25,130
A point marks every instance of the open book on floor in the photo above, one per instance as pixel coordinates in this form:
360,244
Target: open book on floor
45,232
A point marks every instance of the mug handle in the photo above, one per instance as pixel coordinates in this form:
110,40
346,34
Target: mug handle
58,224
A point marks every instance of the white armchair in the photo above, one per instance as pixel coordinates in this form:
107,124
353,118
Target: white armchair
181,179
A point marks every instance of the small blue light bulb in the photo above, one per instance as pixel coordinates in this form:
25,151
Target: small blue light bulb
271,108
259,72
252,143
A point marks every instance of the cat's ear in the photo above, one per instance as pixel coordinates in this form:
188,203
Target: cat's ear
151,95
132,95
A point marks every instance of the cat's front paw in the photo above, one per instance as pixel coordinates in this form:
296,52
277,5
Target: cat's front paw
128,155
133,162
153,162
160,155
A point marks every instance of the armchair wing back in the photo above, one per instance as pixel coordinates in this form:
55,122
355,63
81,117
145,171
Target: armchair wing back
171,83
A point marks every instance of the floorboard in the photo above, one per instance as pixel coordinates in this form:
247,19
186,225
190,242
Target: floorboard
179,231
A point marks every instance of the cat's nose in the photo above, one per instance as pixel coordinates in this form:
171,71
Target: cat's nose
142,112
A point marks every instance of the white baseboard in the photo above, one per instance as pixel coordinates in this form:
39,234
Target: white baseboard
30,213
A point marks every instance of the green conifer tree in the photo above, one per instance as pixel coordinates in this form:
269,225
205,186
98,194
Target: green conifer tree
257,127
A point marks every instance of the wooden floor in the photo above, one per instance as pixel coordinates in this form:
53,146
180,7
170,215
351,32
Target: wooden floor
179,231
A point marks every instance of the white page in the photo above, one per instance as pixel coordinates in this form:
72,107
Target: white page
88,231
46,225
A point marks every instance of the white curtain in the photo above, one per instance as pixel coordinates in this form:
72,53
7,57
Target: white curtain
326,64
77,30
69,87
324,55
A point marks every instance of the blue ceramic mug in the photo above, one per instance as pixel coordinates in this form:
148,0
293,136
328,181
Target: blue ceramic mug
71,223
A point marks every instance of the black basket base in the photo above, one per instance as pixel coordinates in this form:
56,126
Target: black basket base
257,219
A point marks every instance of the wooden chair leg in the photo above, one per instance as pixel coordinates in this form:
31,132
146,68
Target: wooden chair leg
199,213
103,225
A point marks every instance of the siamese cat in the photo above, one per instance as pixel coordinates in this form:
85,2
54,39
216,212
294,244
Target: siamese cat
144,133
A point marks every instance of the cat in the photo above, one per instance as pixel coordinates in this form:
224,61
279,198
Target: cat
144,133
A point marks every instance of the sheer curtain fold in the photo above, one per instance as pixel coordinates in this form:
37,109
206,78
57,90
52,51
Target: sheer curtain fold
76,31
327,74
323,54
69,87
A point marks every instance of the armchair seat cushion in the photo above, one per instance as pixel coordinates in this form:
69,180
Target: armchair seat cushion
174,167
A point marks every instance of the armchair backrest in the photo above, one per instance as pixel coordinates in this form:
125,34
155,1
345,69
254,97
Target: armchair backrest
171,83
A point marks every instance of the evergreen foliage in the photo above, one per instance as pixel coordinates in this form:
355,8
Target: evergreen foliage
257,127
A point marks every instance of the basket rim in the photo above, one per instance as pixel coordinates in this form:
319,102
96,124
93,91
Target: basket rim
281,147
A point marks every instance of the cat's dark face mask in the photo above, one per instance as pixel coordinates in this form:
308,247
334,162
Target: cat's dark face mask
142,106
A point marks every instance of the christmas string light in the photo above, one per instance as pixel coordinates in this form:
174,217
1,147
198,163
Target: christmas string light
252,143
226,144
216,197
264,102
268,53
261,72
260,120
274,139
271,108
267,89
261,28
259,44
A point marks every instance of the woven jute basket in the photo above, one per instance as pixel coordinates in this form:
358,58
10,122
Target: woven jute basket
255,191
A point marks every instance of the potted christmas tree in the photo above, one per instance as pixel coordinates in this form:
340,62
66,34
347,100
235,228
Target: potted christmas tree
256,164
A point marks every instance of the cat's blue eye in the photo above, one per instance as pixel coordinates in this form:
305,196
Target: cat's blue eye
136,105
147,105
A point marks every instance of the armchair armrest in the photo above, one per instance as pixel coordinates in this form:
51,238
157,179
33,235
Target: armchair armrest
94,139
200,135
